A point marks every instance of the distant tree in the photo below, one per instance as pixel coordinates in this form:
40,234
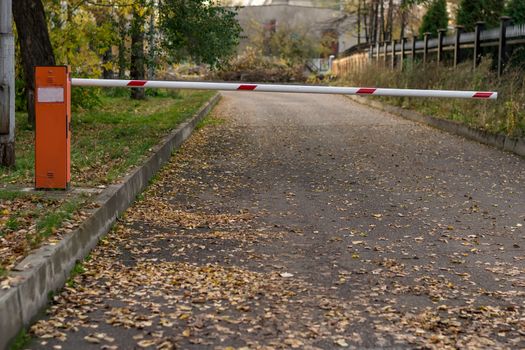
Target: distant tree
472,11
383,20
435,18
200,30
469,12
389,30
293,44
516,10
403,9
492,11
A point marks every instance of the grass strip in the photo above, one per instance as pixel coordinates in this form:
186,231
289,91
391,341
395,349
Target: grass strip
110,139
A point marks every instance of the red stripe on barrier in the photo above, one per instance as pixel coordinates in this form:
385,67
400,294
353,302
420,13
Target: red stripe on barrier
137,83
247,87
482,95
366,91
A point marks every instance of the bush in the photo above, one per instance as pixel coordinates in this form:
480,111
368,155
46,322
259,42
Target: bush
516,10
85,98
506,115
253,66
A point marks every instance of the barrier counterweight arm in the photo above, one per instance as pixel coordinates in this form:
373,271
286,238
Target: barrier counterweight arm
486,95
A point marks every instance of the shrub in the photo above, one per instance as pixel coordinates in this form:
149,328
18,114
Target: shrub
253,66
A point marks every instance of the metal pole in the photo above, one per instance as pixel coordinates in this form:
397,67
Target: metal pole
502,47
414,40
7,85
386,50
377,52
477,43
441,34
457,46
313,89
425,51
403,53
394,42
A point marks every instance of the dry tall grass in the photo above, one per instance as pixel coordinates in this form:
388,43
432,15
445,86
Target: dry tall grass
506,115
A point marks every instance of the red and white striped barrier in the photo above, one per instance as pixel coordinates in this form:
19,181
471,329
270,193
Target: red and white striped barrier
485,95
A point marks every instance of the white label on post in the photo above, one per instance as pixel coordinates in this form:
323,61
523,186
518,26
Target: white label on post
50,94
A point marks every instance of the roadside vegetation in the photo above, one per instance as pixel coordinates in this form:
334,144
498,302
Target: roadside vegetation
506,115
107,140
28,219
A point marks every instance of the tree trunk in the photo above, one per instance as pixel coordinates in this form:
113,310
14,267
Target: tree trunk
371,21
376,20
122,48
137,52
365,24
359,22
403,18
35,46
107,57
390,20
382,20
151,43
7,154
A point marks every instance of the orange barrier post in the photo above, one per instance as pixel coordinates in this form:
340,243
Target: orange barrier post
52,129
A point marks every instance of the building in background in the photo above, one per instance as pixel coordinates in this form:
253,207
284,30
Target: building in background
327,25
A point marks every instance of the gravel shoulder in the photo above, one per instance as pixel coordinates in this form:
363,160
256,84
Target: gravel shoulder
308,221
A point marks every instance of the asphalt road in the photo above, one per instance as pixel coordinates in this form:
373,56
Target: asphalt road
309,221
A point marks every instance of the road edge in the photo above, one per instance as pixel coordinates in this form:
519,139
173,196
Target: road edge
46,270
501,141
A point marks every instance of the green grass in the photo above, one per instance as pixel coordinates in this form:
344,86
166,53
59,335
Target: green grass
47,215
50,222
21,340
12,224
209,121
6,195
126,132
110,138
77,270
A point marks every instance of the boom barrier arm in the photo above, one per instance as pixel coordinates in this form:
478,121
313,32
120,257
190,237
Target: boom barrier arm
53,115
484,95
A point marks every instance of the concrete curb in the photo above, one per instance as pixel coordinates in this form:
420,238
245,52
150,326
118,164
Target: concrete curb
47,269
514,145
